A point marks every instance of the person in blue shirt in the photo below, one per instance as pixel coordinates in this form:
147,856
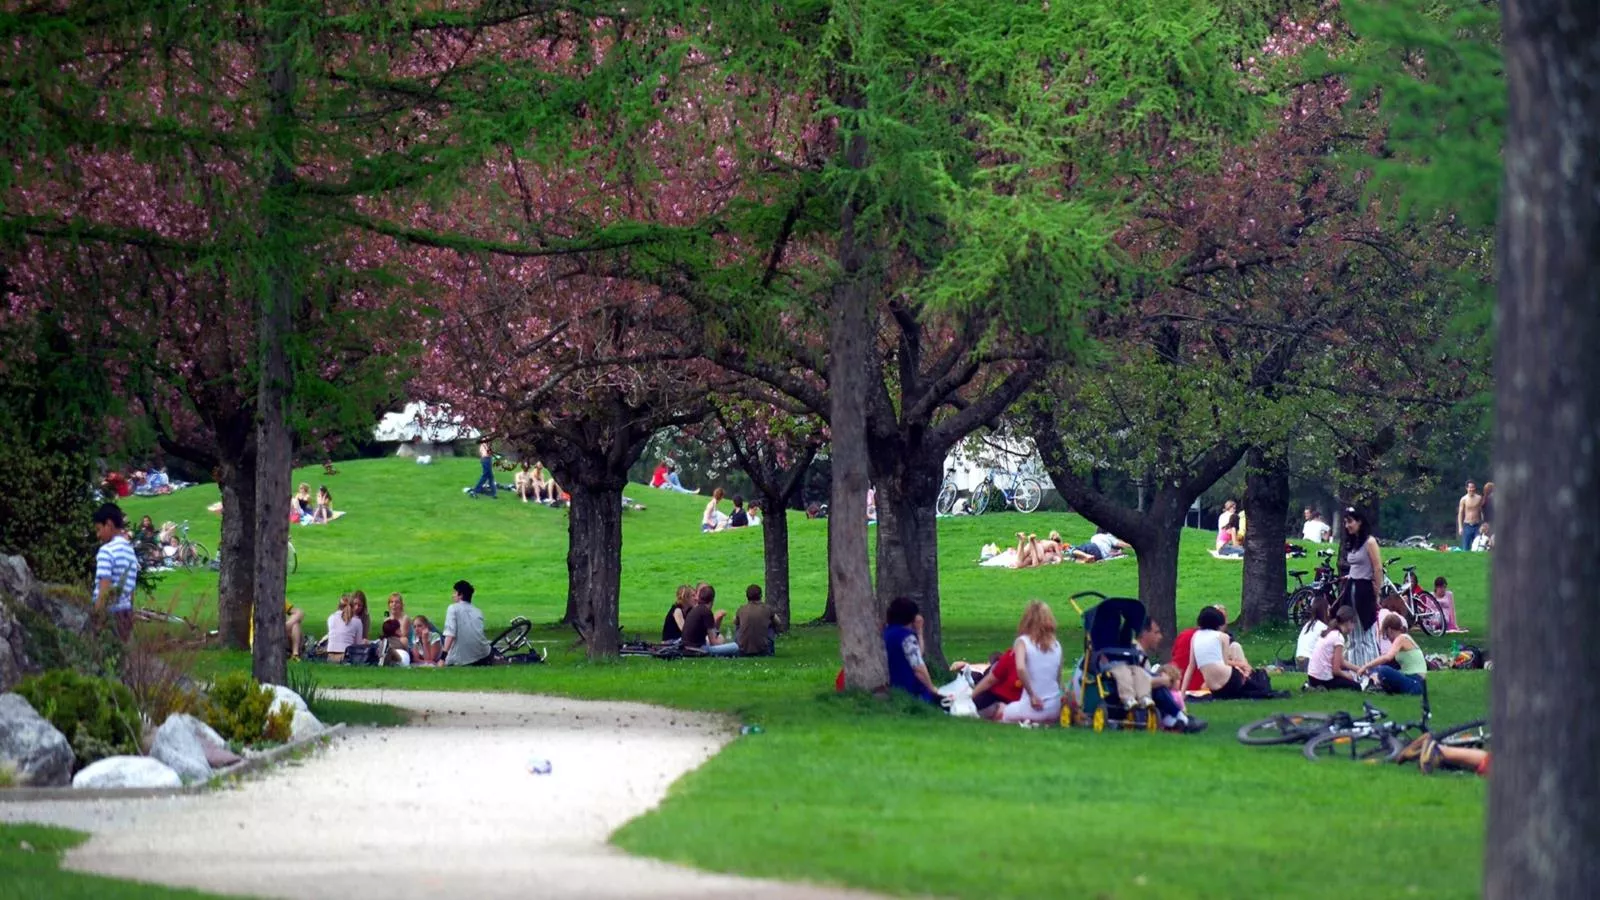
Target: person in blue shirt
902,640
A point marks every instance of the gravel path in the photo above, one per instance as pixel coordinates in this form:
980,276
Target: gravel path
442,807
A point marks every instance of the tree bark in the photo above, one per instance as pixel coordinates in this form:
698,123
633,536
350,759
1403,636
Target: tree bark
236,587
849,365
775,555
1543,821
1266,505
595,524
274,442
908,545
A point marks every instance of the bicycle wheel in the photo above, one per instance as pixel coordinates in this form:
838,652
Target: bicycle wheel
946,501
980,498
294,560
1360,746
198,554
1027,495
1430,616
1299,605
1474,735
514,637
1284,728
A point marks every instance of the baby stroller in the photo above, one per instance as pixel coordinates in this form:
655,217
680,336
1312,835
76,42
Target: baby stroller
1109,629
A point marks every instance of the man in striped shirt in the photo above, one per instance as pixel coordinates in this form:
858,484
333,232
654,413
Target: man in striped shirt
116,569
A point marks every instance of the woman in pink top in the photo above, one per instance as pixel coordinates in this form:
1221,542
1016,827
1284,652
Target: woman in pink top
1447,602
1327,667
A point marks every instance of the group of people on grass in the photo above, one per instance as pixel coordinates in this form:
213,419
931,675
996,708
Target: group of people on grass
694,624
534,484
1032,552
742,516
403,640
303,510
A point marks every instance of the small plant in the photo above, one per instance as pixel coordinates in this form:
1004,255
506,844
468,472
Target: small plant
280,725
156,670
98,716
238,708
302,679
8,774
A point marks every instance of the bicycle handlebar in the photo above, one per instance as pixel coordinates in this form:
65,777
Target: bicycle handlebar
1391,562
1374,711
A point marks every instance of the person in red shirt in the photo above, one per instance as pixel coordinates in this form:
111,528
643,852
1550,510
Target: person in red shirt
998,686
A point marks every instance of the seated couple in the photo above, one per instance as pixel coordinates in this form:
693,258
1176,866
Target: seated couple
307,512
694,624
1024,685
1212,661
534,484
665,478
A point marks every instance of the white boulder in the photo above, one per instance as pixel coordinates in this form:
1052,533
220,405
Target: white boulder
127,772
304,725
180,745
284,695
39,753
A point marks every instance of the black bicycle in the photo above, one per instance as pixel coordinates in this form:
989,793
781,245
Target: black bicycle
1324,583
1372,738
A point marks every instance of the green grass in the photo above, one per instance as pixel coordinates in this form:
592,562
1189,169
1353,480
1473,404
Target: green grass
30,867
352,712
900,799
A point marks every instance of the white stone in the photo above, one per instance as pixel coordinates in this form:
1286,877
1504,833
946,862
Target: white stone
40,754
304,725
179,745
127,772
284,695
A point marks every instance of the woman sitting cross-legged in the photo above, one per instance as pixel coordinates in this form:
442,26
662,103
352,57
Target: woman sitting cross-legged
1402,669
1328,667
1038,656
324,511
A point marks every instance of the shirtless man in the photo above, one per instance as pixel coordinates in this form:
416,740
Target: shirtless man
1469,515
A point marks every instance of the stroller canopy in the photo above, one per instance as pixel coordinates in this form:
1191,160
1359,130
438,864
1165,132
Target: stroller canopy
1114,622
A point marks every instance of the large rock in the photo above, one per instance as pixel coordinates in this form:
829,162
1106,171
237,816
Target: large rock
304,725
127,772
40,754
179,745
14,663
16,579
64,608
284,695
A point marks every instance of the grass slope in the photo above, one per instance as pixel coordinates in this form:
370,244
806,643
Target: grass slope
903,800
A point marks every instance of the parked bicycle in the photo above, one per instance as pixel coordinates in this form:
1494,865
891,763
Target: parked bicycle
1422,608
948,494
185,553
1021,491
1324,583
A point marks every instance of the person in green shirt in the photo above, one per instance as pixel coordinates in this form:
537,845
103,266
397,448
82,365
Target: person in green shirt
1402,669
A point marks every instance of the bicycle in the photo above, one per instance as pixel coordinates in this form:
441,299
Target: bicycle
1372,738
1422,608
1324,583
945,504
1024,493
187,555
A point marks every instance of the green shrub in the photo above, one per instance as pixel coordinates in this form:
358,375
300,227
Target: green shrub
97,653
240,709
8,774
280,725
97,715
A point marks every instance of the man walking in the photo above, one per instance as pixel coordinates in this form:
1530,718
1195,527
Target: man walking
116,569
1469,516
485,483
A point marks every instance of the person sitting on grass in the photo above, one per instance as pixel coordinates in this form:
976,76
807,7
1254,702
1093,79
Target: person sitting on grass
1032,552
665,478
1163,683
1103,545
1038,655
393,648
293,628
464,641
304,506
1447,603
1327,668
701,627
344,629
546,490
397,611
1401,669
524,481
713,519
998,686
1315,627
755,625
672,625
1223,668
324,511
427,649
358,602
738,518
902,639
146,532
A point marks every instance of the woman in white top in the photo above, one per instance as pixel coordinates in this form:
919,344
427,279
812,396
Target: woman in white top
1312,631
344,629
713,519
1038,656
1222,666
1328,667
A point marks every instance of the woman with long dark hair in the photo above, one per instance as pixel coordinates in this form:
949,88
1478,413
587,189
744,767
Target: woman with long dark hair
1363,585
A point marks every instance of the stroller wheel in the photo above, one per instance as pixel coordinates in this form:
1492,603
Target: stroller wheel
1099,720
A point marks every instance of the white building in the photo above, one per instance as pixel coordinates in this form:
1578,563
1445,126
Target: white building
423,429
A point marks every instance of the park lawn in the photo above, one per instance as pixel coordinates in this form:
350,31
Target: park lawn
30,867
901,799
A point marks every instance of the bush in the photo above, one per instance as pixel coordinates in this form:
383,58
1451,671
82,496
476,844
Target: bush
157,673
242,710
98,716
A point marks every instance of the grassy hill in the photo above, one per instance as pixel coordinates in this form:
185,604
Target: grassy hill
902,799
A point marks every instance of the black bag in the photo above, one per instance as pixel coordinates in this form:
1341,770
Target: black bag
361,655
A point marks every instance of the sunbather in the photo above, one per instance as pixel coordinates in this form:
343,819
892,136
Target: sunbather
1103,545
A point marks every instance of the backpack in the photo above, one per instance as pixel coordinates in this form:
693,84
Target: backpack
1469,657
361,655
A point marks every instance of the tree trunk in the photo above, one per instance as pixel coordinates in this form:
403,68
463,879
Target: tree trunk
1156,544
908,546
274,443
1543,821
775,554
595,524
850,363
1266,505
236,582
577,564
830,610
